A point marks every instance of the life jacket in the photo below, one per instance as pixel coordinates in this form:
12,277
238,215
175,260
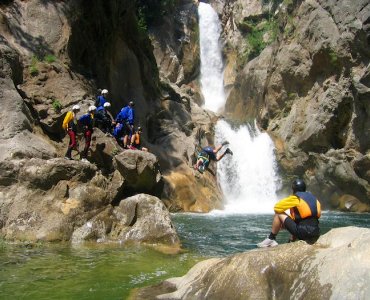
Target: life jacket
309,207
70,121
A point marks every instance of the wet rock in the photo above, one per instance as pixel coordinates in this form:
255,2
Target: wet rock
140,170
140,218
295,270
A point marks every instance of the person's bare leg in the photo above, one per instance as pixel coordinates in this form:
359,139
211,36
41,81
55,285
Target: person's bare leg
277,223
220,156
217,149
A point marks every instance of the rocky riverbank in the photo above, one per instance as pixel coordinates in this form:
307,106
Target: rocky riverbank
336,267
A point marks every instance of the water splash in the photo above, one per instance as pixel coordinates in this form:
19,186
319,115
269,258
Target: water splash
249,178
211,67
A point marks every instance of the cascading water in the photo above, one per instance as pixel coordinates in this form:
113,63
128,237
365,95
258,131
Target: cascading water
248,179
211,66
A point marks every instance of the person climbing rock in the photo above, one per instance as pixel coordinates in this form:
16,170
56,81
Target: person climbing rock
136,141
210,153
70,125
87,123
303,222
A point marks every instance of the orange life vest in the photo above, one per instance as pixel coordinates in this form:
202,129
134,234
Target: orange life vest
309,207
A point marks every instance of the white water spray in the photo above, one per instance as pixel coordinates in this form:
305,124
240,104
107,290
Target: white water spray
211,66
248,179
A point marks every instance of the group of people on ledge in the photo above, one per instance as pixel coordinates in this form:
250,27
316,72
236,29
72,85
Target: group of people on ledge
305,209
98,115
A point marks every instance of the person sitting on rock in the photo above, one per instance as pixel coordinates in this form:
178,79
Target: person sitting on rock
87,124
303,222
210,153
136,141
103,118
70,125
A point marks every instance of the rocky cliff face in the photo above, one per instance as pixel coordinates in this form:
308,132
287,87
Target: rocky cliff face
308,88
55,55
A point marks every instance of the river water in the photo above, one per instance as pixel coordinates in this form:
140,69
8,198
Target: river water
61,271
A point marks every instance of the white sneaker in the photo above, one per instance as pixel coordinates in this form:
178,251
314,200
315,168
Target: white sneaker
267,243
84,160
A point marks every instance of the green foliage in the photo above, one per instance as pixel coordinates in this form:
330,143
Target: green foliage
333,57
143,27
50,58
260,36
114,152
34,71
57,105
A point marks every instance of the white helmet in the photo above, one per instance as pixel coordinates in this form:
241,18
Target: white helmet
104,91
76,107
106,104
92,108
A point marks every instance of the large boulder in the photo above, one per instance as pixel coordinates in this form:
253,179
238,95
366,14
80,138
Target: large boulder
291,271
141,172
140,218
46,200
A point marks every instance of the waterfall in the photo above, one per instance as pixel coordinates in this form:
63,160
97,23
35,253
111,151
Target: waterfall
248,179
211,66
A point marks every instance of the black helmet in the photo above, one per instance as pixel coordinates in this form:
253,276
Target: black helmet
298,185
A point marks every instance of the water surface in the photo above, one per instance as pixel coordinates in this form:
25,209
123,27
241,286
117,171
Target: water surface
61,271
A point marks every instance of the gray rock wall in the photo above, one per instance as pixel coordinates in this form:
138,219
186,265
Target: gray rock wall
308,90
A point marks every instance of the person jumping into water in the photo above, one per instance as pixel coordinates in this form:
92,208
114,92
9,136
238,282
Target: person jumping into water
210,153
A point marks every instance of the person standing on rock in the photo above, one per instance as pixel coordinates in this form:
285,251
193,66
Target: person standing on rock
126,117
70,125
210,153
104,119
303,222
87,124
